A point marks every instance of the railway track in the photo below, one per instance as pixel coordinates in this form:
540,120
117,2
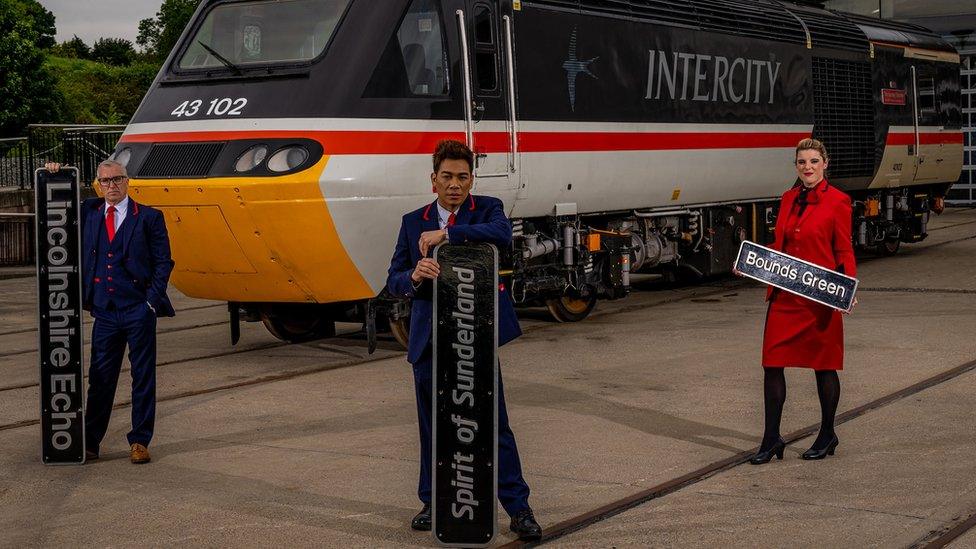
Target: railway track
604,512
186,310
946,535
164,331
695,292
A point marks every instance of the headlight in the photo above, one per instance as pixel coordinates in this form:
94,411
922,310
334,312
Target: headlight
252,158
123,156
287,159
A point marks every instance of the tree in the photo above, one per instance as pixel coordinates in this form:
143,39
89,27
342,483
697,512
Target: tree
76,48
114,51
43,22
158,35
27,92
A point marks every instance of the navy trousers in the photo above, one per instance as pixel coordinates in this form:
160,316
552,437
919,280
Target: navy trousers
134,326
513,492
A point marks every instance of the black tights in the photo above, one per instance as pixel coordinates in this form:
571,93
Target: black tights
774,392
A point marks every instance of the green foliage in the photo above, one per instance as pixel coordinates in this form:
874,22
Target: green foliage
96,93
76,48
158,35
27,92
43,22
114,51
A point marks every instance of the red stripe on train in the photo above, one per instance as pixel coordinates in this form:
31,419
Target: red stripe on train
949,138
390,142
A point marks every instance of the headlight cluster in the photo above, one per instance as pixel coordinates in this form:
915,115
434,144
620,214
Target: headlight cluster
283,160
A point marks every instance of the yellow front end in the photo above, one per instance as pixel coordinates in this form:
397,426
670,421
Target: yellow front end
242,239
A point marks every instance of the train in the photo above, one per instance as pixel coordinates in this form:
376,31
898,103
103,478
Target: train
284,139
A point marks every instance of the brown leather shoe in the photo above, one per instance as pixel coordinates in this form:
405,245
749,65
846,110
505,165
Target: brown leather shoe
139,453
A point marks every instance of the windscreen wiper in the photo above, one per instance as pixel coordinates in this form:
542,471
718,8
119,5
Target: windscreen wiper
227,63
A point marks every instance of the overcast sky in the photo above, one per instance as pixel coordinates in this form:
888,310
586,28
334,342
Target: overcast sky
94,19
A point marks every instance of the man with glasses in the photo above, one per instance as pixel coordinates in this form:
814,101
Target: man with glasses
126,265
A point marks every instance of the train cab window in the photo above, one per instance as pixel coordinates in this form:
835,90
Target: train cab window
414,63
236,35
485,61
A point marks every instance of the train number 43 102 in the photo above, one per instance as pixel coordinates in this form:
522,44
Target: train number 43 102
218,107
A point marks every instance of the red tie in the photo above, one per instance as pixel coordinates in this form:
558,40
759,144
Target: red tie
110,223
450,219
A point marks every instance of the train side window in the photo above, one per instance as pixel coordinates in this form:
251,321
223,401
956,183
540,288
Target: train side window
926,97
414,63
486,60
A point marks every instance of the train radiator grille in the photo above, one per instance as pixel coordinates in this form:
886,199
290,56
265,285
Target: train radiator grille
843,114
175,160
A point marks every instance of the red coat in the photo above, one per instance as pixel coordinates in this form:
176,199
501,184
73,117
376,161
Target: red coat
800,332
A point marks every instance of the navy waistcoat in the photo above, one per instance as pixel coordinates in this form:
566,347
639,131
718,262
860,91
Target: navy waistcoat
112,285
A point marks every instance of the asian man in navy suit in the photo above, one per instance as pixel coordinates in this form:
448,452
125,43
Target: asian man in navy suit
126,265
456,217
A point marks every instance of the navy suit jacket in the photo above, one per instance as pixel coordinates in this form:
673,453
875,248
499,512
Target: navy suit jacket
479,219
145,256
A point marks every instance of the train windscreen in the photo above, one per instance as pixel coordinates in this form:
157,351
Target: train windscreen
239,34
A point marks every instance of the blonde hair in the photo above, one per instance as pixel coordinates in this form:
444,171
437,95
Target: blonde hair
810,144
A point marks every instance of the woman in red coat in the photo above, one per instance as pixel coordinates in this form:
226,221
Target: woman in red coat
814,224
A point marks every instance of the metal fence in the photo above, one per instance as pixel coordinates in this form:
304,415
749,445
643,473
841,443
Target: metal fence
16,241
80,146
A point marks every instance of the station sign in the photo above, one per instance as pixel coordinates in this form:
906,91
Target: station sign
465,399
895,97
59,324
796,276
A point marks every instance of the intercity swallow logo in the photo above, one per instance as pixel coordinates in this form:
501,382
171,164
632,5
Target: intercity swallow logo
574,67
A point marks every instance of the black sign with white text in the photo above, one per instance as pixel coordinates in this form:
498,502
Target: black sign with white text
465,399
59,325
797,276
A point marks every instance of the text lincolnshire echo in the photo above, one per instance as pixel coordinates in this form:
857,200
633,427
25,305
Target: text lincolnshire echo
788,271
60,267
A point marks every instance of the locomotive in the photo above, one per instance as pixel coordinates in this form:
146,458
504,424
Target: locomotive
284,139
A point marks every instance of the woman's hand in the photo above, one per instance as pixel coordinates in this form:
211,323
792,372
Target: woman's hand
851,310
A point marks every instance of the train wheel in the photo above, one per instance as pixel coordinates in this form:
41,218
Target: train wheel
297,324
889,247
571,309
401,330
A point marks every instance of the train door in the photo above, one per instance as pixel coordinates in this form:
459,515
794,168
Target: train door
489,89
928,151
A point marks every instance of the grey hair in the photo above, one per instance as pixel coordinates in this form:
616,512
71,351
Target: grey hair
113,164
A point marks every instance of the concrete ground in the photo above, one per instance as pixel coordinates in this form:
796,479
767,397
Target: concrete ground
315,444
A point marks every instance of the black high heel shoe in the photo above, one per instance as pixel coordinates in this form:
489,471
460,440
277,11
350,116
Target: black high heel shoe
765,456
820,453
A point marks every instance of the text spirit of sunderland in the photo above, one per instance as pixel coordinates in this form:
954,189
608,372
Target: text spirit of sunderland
464,503
710,78
787,271
59,319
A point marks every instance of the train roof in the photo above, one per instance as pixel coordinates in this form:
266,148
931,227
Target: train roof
902,34
775,20
771,20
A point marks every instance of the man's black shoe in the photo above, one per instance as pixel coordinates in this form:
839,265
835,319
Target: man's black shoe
422,520
90,455
524,524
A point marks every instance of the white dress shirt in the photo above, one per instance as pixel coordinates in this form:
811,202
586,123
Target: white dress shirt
121,209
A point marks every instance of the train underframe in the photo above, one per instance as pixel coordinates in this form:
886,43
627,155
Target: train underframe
568,261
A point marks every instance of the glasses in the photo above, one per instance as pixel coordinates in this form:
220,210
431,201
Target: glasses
111,181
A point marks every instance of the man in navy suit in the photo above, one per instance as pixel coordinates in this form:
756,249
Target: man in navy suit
456,217
126,265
